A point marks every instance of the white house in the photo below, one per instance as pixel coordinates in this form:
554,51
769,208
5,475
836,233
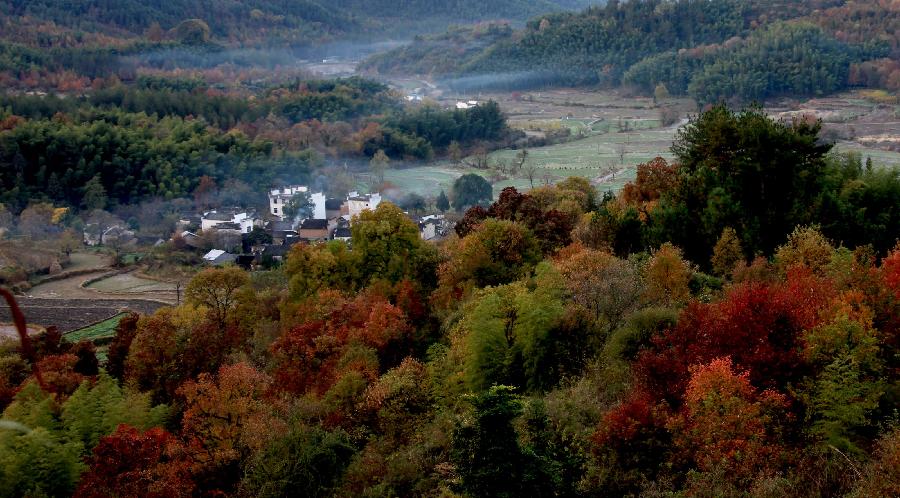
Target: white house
227,219
432,226
279,197
356,203
318,200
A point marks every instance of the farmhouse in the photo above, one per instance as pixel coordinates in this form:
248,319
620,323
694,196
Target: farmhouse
356,203
230,219
279,198
314,229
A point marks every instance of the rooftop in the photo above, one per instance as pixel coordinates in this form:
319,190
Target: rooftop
314,224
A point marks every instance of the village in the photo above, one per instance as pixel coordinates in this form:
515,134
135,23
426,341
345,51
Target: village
252,239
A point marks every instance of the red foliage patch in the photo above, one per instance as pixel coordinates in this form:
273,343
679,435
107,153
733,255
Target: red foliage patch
129,463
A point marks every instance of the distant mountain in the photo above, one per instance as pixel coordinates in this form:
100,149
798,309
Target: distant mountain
712,50
273,21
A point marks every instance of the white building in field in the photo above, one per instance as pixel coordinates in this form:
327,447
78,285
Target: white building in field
356,203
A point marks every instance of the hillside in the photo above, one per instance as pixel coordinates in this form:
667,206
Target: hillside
259,22
709,50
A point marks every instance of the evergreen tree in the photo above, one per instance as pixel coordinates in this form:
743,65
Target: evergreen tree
442,202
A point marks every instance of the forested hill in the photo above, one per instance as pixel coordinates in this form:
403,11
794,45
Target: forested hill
711,50
269,21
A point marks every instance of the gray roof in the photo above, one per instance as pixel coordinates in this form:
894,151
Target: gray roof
314,224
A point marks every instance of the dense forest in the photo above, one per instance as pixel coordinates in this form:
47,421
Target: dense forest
726,325
157,138
263,22
712,51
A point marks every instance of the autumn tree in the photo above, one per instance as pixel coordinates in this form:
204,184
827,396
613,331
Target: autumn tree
881,477
378,165
227,417
667,277
70,241
770,317
497,252
117,352
728,426
205,192
219,290
36,221
806,246
388,247
608,287
727,253
134,463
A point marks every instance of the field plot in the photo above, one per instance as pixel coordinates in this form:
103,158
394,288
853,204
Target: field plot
101,330
128,282
106,286
74,314
427,180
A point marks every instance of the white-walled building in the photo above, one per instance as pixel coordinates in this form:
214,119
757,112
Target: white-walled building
318,200
280,197
356,203
244,220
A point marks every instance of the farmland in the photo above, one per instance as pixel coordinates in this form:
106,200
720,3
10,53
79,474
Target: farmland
611,133
97,331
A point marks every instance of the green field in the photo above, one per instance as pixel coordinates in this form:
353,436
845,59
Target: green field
102,330
607,159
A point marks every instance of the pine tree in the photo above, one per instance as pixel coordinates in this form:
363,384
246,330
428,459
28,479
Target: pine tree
442,202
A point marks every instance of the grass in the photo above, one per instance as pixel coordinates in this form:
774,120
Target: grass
102,330
591,157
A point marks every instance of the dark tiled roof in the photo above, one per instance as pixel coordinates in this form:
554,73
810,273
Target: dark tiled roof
333,204
342,232
314,224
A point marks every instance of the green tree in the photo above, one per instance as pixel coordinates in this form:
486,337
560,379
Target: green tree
94,194
742,170
471,190
442,202
192,32
96,410
300,207
486,451
388,246
661,93
306,458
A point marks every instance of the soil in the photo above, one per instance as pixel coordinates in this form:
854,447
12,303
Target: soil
73,314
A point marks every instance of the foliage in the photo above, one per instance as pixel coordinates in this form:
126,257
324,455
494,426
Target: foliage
470,190
130,462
